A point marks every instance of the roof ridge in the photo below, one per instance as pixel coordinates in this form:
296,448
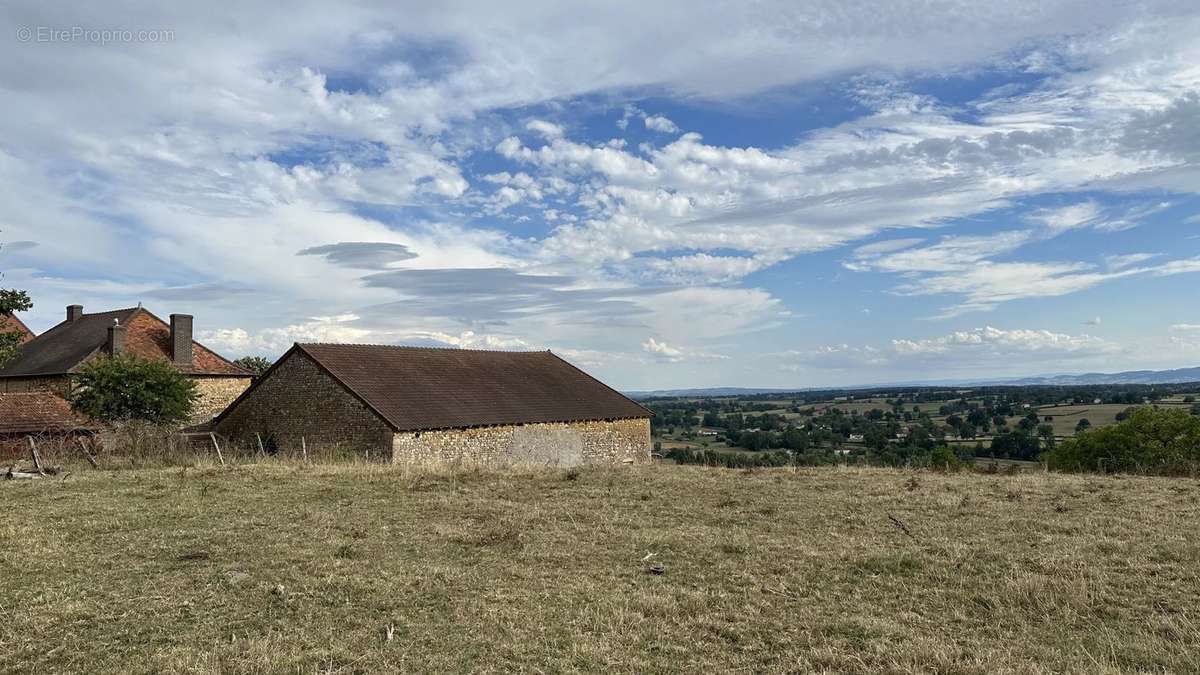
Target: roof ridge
422,347
112,311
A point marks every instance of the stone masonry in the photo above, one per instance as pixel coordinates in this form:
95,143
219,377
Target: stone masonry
299,400
215,394
554,444
16,385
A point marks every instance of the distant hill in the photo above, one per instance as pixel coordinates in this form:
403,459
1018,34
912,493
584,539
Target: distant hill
711,391
1176,376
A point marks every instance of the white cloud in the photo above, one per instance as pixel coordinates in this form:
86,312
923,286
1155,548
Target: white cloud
1070,217
993,348
661,124
337,329
1124,261
664,352
840,356
545,129
1002,342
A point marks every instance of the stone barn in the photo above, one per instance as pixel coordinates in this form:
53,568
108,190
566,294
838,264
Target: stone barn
427,406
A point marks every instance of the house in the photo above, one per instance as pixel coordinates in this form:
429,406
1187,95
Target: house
420,405
43,415
9,323
48,361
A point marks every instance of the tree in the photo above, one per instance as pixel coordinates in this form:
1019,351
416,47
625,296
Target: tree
1046,433
1084,425
127,388
255,364
12,301
1149,441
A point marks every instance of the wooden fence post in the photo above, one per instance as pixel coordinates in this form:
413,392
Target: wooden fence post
87,455
216,445
37,458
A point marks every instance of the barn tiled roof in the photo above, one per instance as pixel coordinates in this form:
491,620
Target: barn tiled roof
67,346
39,412
9,323
416,388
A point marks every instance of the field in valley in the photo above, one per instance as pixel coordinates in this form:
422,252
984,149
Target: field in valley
276,568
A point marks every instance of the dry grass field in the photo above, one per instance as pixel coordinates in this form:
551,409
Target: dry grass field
1067,416
353,569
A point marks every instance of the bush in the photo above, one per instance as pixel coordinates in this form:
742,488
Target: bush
255,364
127,388
732,460
1150,440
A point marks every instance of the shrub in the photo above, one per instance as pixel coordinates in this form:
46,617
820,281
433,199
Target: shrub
1150,440
944,457
127,388
732,460
255,364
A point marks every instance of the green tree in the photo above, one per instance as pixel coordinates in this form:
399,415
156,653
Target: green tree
1148,441
255,364
126,388
12,301
1046,433
1084,425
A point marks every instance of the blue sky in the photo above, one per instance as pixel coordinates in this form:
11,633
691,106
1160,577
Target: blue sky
668,195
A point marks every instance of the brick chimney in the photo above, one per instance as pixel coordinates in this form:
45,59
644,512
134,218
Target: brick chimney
74,312
116,339
181,340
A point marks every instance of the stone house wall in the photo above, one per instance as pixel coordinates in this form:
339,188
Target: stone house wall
300,400
14,385
216,393
554,444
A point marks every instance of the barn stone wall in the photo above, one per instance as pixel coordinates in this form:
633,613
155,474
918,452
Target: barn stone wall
554,444
299,400
216,393
14,385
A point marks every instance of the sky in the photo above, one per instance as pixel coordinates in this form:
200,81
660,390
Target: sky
669,194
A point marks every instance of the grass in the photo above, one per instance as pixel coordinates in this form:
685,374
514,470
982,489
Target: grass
276,568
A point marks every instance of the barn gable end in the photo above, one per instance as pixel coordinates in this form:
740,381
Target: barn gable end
299,401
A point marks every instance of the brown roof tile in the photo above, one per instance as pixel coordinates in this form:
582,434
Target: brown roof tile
415,388
65,347
9,323
39,412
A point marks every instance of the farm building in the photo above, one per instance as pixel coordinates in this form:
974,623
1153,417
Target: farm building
45,416
420,405
48,361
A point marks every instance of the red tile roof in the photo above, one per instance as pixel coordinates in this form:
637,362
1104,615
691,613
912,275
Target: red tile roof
70,344
39,412
418,388
9,323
